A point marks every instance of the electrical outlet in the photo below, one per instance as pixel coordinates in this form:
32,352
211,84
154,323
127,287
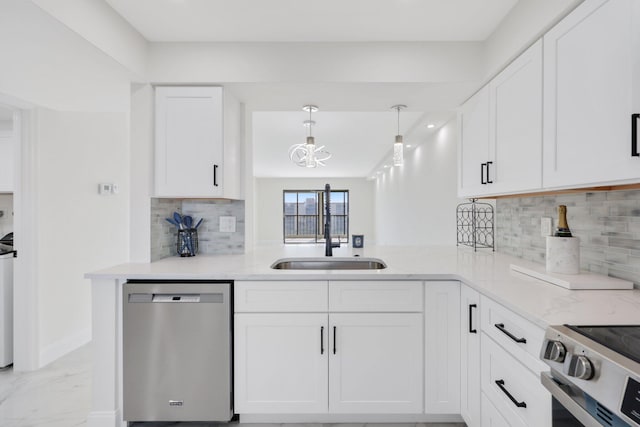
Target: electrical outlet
105,189
546,226
227,224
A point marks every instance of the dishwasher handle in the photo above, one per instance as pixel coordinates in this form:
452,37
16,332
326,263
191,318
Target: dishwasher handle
175,298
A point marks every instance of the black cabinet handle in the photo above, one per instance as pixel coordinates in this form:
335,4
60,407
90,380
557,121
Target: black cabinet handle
334,340
634,134
471,330
321,339
509,334
482,166
489,180
500,384
215,175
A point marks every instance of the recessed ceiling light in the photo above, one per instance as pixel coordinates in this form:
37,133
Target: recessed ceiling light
408,145
387,166
430,126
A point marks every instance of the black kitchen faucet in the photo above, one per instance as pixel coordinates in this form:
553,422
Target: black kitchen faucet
328,244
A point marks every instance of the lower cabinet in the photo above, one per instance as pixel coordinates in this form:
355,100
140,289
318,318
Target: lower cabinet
375,363
341,363
470,407
442,347
491,417
281,363
321,358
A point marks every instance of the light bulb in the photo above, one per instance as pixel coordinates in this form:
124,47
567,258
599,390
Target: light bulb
398,152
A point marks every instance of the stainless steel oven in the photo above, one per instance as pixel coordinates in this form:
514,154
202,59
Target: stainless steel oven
594,375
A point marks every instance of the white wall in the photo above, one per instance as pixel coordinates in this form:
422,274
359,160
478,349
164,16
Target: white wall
268,205
141,171
415,204
78,230
102,26
47,64
79,139
314,62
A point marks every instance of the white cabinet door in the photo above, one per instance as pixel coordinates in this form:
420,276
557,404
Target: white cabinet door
281,363
8,160
442,347
473,144
512,388
470,355
189,142
491,417
516,125
375,363
591,72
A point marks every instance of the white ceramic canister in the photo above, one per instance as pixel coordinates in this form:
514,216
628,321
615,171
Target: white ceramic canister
563,255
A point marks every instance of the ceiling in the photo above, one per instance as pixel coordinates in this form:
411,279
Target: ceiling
355,121
313,21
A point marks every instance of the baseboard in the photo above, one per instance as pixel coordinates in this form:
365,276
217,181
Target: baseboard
104,419
350,418
64,346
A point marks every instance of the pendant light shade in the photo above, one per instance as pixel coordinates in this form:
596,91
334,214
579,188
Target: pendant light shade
308,155
398,146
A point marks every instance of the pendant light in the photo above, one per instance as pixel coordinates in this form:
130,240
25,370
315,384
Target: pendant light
307,154
398,149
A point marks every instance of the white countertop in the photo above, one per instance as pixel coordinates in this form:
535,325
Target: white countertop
488,272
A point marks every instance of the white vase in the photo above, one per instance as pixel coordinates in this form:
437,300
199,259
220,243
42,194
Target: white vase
563,255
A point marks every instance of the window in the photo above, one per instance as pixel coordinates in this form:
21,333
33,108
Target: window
303,216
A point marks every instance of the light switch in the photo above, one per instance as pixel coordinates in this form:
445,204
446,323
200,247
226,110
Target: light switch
227,224
545,226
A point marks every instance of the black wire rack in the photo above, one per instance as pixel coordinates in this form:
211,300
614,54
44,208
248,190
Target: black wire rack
475,226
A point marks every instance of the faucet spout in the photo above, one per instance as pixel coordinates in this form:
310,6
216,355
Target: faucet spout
328,247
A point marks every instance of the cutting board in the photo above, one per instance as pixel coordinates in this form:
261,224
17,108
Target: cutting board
574,281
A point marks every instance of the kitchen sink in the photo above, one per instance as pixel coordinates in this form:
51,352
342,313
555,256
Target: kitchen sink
328,263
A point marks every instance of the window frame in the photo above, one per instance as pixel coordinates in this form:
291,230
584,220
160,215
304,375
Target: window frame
318,238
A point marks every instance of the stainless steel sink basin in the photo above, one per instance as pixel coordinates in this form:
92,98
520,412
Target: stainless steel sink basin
329,263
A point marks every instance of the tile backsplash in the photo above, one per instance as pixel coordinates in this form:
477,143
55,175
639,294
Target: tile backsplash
210,239
6,214
607,223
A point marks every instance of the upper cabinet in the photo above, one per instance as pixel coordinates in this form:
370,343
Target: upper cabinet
592,79
197,143
7,143
501,131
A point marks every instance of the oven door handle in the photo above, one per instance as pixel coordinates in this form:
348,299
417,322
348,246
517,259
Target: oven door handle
565,400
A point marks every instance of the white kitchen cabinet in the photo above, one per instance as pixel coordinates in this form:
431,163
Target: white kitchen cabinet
470,408
591,89
473,144
281,363
197,142
514,390
7,156
501,131
491,417
515,131
320,359
442,347
375,363
511,366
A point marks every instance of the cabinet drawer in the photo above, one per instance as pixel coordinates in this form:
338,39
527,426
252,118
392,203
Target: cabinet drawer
517,335
491,417
267,296
514,390
375,296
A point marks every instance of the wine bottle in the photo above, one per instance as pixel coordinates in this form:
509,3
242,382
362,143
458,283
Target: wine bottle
563,228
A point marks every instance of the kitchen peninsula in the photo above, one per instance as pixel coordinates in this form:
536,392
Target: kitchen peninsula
441,275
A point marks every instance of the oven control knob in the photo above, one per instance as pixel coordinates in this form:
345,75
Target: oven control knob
555,351
580,367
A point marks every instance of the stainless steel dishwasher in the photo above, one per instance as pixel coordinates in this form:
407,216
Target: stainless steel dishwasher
177,360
